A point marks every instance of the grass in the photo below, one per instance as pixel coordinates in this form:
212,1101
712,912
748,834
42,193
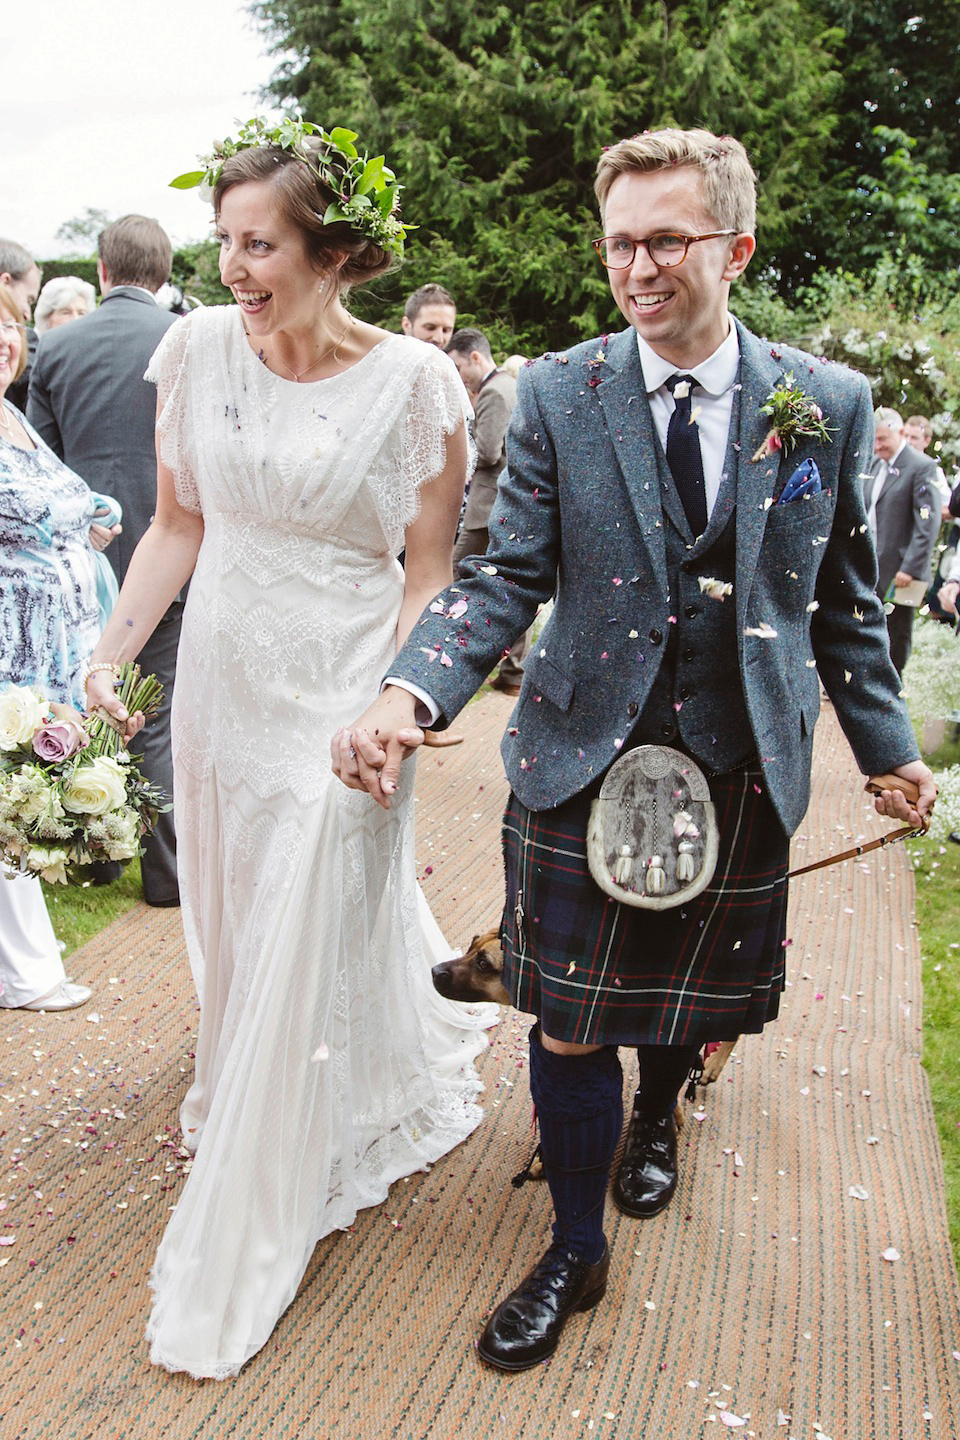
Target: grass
80,912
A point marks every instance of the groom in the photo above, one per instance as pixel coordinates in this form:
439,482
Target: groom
701,585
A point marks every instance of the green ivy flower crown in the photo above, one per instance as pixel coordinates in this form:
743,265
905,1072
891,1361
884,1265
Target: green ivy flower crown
367,191
794,416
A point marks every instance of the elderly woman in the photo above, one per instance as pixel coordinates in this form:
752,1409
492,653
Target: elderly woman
49,624
61,300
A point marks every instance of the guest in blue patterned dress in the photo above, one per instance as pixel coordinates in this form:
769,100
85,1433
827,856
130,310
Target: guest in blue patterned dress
49,624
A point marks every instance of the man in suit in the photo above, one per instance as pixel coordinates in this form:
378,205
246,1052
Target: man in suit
903,513
493,394
90,402
705,571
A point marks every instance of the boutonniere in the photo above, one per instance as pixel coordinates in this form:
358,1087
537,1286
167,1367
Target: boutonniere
794,416
594,362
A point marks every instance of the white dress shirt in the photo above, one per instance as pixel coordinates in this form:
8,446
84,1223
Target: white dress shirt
879,480
712,405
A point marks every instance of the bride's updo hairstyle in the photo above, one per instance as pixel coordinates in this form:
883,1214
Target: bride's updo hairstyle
303,198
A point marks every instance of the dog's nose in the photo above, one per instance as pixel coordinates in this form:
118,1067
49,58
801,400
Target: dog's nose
441,979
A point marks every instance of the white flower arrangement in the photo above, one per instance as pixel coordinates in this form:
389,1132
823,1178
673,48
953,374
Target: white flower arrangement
69,794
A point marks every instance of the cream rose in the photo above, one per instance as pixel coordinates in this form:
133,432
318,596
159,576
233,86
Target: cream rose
50,865
95,788
21,713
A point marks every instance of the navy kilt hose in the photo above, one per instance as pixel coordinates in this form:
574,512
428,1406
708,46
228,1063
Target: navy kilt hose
598,972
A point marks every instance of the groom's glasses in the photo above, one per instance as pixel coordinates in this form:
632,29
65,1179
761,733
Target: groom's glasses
618,252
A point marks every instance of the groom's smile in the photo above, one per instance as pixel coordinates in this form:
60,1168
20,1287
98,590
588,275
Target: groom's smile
680,310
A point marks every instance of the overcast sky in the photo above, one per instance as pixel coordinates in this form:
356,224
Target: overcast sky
105,101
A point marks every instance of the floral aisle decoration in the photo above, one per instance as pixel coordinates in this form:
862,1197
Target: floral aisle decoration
71,795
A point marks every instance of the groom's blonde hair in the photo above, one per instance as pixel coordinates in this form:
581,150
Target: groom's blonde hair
729,184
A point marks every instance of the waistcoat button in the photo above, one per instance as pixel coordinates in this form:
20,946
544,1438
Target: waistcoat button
667,730
691,611
655,637
632,709
689,653
684,692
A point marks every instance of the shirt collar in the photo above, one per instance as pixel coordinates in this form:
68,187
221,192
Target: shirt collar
716,374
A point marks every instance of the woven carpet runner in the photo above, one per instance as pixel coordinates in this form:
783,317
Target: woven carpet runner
801,1283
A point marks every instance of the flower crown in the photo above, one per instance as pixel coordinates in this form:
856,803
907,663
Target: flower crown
367,191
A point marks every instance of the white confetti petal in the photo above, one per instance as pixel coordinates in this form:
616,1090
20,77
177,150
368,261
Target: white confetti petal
858,1192
734,1421
891,1254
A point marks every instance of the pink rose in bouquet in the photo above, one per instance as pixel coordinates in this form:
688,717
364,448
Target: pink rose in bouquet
59,740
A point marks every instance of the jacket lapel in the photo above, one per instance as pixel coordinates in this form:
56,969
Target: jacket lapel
634,442
756,480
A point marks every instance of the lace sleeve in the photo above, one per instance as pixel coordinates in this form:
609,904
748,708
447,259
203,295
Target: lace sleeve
438,406
169,370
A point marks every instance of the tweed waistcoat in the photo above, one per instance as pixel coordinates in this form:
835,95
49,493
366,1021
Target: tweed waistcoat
697,698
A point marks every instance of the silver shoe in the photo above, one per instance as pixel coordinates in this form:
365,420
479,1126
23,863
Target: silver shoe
66,997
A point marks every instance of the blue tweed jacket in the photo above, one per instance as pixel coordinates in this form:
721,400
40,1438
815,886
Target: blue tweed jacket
581,512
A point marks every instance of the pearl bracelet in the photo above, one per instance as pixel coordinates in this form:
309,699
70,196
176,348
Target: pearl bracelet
101,665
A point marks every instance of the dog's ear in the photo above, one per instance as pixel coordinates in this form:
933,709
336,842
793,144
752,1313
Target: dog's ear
474,943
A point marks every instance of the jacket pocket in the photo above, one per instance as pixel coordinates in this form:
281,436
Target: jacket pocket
549,680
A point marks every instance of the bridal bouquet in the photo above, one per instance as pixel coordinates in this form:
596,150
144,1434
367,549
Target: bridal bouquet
70,793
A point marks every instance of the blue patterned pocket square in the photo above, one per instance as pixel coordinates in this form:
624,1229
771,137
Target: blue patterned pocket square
804,481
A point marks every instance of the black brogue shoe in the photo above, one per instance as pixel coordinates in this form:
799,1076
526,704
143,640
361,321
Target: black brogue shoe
647,1176
526,1327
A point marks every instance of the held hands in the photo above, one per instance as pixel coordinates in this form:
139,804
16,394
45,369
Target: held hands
894,803
368,754
102,696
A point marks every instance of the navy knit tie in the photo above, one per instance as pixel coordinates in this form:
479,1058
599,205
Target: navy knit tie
683,454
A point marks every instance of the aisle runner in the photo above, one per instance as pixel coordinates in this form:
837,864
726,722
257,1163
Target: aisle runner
761,1295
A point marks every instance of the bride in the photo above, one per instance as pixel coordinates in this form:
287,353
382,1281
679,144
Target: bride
299,450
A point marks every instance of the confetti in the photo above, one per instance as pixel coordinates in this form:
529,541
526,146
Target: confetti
858,1192
734,1421
890,1254
763,631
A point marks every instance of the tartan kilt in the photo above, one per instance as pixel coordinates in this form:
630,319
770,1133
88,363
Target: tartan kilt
598,972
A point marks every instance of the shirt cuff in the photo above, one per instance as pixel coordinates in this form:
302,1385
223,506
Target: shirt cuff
427,712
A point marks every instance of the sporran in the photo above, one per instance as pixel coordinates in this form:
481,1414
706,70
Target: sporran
652,840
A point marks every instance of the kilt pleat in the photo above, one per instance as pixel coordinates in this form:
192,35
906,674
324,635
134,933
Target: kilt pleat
598,972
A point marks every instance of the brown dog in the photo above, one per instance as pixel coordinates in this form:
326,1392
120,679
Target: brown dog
476,976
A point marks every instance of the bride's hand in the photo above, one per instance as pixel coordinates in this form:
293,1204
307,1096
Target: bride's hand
368,754
102,696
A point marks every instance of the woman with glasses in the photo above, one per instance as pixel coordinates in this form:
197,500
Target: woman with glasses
49,624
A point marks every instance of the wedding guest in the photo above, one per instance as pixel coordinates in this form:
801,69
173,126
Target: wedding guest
61,300
21,275
90,402
493,394
298,449
49,624
430,314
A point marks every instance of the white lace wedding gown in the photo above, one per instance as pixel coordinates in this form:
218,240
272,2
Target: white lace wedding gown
327,1066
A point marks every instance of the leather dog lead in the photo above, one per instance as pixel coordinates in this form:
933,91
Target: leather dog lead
875,786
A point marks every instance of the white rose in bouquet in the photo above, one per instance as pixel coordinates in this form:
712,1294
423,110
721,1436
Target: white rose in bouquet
21,713
95,787
50,865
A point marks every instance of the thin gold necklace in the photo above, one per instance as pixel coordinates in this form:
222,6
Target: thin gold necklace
331,350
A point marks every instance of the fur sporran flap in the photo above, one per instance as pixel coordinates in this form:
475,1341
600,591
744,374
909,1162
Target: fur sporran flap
652,839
